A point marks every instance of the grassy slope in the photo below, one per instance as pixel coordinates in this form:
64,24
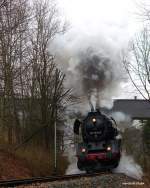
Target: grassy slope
12,168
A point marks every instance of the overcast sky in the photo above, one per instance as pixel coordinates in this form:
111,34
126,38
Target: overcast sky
96,14
115,20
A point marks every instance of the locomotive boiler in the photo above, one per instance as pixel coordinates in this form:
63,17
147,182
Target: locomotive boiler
100,148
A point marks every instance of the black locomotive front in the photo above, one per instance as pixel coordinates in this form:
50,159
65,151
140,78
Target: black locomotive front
97,127
100,148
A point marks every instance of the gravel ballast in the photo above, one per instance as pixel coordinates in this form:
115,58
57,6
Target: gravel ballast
102,181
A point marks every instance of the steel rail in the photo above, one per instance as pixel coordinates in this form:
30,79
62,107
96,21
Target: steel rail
16,182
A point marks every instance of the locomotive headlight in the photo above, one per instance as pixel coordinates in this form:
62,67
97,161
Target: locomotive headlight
108,148
94,120
83,150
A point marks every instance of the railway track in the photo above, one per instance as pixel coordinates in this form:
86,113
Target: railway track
15,183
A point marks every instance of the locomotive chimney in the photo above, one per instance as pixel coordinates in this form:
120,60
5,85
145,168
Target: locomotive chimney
92,107
97,99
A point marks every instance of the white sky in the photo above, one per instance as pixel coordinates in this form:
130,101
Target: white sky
113,19
93,14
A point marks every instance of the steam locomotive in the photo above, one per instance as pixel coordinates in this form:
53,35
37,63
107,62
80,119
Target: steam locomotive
100,148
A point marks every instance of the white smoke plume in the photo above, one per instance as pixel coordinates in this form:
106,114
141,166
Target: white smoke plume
128,166
72,168
123,120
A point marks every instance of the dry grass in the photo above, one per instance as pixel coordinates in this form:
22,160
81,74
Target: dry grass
11,167
41,162
146,180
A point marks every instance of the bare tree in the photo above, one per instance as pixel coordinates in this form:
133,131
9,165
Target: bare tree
13,15
46,80
138,64
2,4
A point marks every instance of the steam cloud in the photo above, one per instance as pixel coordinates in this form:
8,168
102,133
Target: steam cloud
97,73
93,68
123,120
128,166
